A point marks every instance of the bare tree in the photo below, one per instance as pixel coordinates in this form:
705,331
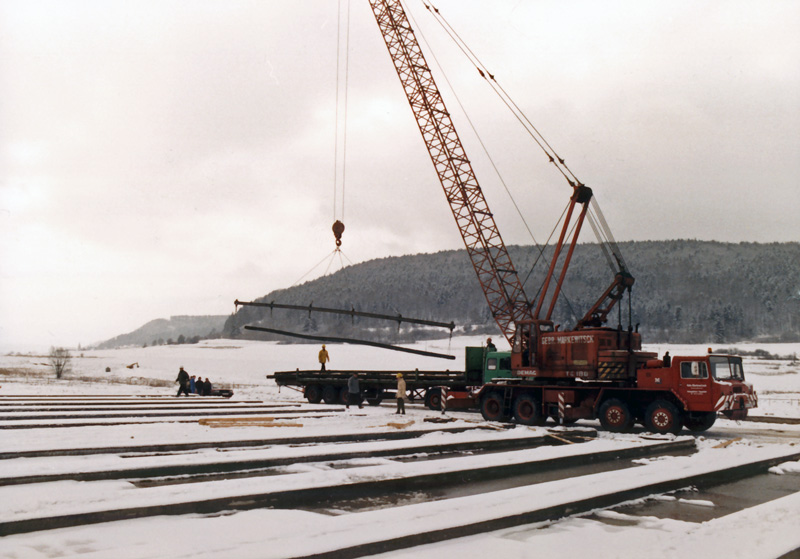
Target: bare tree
60,359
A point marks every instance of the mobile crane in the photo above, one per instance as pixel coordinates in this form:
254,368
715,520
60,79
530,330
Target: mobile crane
591,370
587,372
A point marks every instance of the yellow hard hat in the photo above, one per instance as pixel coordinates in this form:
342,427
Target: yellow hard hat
399,375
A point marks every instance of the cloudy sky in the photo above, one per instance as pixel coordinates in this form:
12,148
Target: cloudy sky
167,157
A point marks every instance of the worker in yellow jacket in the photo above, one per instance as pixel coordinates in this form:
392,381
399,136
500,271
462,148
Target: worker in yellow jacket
323,357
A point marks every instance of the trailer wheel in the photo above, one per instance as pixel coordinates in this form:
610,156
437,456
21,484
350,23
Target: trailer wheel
492,407
313,393
615,416
700,421
330,395
374,396
433,398
528,410
663,417
344,394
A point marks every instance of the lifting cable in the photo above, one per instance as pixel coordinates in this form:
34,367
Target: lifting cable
484,72
605,237
340,139
603,232
596,219
474,130
539,247
340,130
603,246
541,255
330,257
541,251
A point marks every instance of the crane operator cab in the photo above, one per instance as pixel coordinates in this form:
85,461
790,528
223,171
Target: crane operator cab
525,347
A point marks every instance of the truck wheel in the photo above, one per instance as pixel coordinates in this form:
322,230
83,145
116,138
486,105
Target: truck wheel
433,398
343,395
663,417
313,393
528,410
700,421
615,416
492,407
330,395
374,396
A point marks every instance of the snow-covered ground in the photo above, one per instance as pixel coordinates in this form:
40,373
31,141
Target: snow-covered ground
244,365
768,530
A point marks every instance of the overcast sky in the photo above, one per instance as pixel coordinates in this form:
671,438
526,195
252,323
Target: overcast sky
167,157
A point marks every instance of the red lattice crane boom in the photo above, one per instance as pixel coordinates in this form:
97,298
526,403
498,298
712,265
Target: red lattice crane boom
498,278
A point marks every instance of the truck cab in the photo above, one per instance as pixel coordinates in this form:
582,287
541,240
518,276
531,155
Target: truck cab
731,395
496,365
484,366
704,384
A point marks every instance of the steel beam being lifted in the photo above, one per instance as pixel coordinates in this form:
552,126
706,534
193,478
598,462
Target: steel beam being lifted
330,339
352,312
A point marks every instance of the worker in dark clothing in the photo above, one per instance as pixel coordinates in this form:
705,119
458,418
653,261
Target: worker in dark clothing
207,386
667,359
183,382
200,386
490,346
353,392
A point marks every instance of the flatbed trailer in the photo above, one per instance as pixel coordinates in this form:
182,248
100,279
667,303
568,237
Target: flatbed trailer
331,386
481,366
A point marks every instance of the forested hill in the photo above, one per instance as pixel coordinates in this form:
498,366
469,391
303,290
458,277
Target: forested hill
174,330
685,292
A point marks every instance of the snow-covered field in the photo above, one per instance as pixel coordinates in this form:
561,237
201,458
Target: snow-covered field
244,365
768,530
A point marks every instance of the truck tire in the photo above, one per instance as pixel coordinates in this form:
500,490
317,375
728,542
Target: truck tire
699,421
663,417
615,416
313,393
344,394
492,407
433,399
528,410
374,396
330,395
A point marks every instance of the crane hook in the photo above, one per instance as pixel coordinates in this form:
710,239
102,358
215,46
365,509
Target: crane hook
338,229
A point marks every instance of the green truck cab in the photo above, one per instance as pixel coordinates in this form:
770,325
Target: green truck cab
482,366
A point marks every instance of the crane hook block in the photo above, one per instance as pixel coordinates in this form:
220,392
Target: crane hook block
338,229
